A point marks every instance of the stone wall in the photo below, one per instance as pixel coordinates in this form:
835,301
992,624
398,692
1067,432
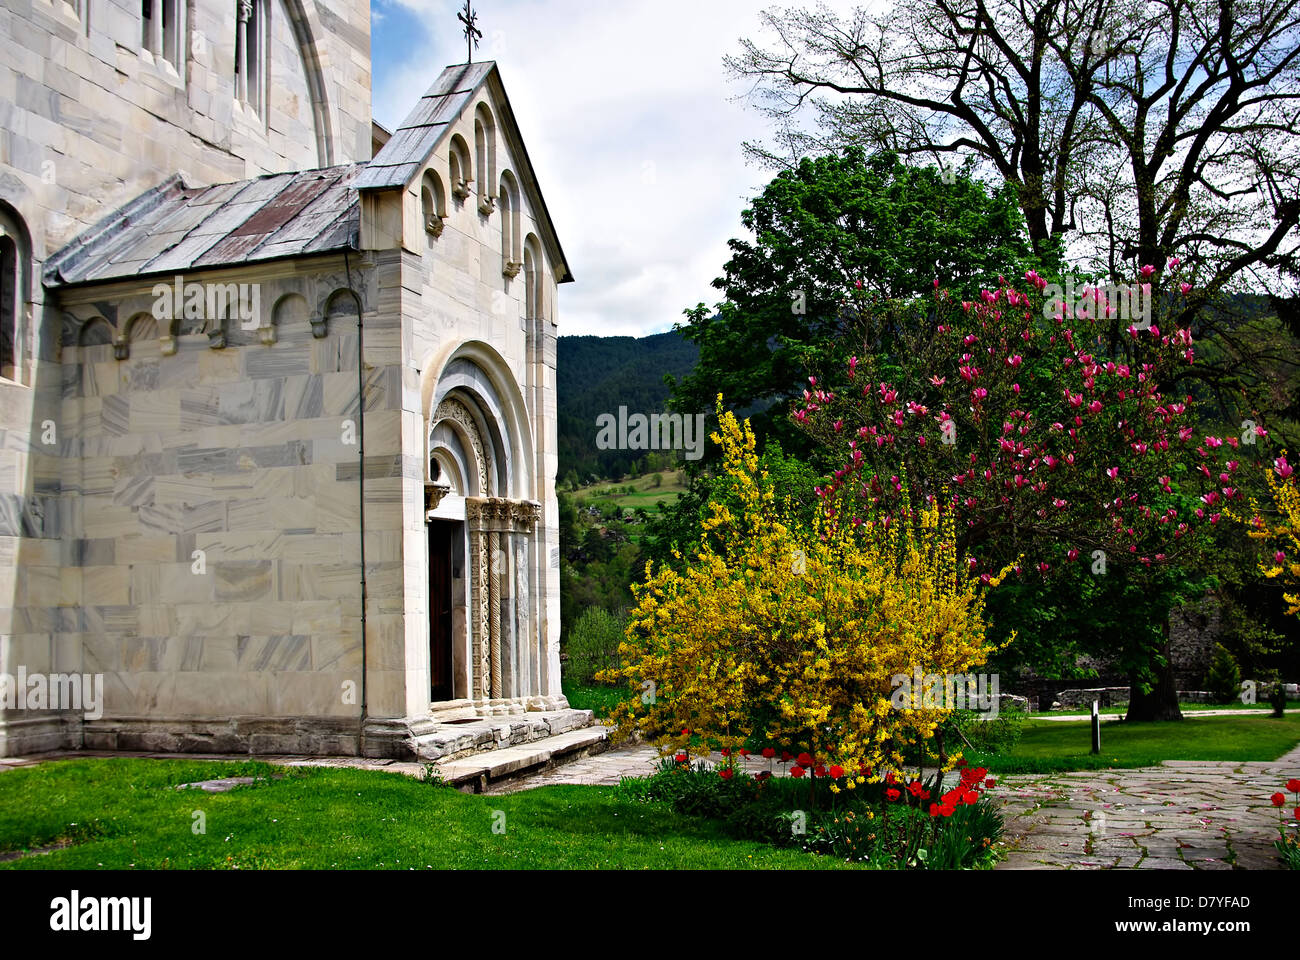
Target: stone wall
209,518
88,121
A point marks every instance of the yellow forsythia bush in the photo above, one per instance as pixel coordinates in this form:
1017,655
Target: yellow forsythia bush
1282,537
790,638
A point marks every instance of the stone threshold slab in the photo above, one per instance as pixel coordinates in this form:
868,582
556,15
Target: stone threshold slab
497,764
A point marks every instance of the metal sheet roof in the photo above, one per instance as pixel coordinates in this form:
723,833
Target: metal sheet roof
417,136
174,228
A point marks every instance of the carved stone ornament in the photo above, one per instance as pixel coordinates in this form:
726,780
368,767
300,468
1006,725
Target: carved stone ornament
433,494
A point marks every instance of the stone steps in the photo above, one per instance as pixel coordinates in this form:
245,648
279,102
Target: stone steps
435,741
477,772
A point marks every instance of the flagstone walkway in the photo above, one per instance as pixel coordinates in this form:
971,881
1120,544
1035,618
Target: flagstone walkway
1181,815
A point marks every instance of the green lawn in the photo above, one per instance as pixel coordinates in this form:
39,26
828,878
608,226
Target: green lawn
645,494
122,813
600,700
1047,746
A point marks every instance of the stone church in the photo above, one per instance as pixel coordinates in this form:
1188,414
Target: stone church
277,391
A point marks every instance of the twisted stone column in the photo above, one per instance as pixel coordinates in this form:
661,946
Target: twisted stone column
494,601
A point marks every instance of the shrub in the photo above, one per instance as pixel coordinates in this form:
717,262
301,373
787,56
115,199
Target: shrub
593,645
996,736
792,636
1224,678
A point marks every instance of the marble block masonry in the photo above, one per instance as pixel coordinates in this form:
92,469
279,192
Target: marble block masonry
311,508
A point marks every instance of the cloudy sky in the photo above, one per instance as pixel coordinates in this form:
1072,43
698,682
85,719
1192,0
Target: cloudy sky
631,122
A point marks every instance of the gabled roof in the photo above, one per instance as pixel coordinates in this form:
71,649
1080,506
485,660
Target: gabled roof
173,228
425,128
416,137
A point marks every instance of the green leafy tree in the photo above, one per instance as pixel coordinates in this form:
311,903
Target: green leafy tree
1224,678
845,221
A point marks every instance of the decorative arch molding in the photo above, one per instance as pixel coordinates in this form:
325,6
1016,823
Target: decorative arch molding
485,156
17,296
309,52
433,203
511,222
340,304
474,461
140,326
95,332
460,167
476,371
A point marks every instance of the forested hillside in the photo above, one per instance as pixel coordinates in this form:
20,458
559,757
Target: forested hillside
597,375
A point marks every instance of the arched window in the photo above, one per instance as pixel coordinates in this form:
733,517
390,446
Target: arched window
433,203
252,46
534,277
485,153
14,292
511,240
458,166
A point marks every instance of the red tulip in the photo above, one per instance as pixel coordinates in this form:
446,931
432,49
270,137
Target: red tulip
837,771
946,810
786,756
1293,786
796,771
768,753
725,774
893,794
970,798
726,751
804,760
990,783
680,758
934,809
1278,799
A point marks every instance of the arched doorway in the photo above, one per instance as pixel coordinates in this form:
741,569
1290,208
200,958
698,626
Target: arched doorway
484,642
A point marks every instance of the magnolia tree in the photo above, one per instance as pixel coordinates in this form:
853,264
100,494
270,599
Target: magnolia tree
1055,448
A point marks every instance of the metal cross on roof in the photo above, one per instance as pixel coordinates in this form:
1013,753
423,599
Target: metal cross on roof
472,33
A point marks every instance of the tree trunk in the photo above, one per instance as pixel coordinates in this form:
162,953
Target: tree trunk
1162,702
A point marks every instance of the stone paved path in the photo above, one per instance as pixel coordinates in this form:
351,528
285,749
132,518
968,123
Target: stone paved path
1181,815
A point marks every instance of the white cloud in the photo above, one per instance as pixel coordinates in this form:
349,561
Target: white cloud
632,125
